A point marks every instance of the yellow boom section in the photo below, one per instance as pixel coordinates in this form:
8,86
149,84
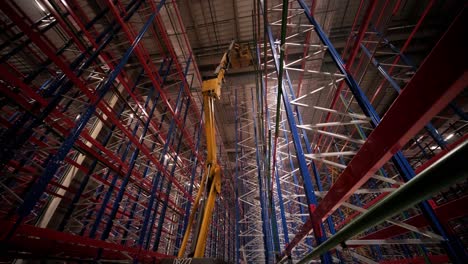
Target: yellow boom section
210,184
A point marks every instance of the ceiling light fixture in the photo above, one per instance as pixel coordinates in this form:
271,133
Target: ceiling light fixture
40,6
449,136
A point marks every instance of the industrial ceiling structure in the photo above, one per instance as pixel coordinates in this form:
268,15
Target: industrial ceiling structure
342,130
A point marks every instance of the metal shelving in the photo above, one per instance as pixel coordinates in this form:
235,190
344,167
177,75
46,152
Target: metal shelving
101,135
328,172
100,152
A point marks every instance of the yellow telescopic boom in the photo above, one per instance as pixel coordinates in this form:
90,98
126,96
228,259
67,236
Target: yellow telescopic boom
210,184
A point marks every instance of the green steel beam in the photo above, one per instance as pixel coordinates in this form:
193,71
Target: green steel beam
450,169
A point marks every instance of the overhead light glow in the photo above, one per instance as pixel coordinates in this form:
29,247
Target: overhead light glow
434,147
40,6
449,136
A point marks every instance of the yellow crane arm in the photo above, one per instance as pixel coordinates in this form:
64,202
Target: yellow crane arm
210,184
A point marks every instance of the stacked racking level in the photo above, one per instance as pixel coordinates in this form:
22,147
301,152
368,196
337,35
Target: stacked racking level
101,129
330,156
102,147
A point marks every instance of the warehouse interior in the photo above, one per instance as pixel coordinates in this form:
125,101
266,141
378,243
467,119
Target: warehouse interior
327,131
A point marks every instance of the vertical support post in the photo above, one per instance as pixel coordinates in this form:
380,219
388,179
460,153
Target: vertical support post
307,180
265,226
236,185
